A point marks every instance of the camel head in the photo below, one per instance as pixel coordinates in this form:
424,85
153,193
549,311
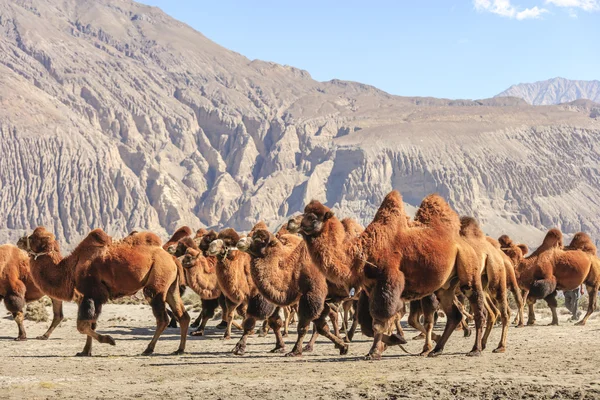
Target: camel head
226,241
189,258
314,218
256,245
39,243
206,240
180,249
293,224
505,241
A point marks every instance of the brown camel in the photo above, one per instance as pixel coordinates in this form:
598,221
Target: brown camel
550,268
516,253
101,271
493,271
18,288
235,280
284,274
394,262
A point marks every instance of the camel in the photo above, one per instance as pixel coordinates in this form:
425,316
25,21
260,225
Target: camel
394,262
284,274
551,267
494,277
100,271
18,288
235,280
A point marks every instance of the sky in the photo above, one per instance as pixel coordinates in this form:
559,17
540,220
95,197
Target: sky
468,49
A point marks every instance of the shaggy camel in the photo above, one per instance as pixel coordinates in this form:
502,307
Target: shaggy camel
493,272
18,288
550,268
200,276
284,274
235,280
179,234
101,271
394,262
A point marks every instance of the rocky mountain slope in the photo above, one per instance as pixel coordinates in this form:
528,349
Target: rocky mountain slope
554,91
114,115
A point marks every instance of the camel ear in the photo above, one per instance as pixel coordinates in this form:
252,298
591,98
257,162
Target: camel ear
328,214
524,249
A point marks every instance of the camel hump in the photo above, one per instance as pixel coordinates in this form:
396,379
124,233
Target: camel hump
469,227
99,237
505,241
352,227
553,239
392,206
188,242
179,234
434,210
201,232
582,241
229,236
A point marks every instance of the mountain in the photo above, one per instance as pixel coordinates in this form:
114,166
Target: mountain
115,115
554,91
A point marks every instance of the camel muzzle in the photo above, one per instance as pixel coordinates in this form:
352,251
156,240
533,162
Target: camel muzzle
215,247
244,244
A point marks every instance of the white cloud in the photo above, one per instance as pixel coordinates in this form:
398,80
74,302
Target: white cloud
586,5
572,14
505,9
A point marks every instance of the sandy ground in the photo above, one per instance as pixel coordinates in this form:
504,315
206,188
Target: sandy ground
541,362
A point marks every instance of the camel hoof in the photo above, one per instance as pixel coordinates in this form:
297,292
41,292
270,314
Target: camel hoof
21,339
284,334
222,325
178,352
420,336
373,357
226,337
308,348
293,354
499,350
83,354
278,350
197,333
147,352
43,337
349,336
347,340
467,332
172,324
344,350
195,324
521,325
474,353
397,339
435,353
108,340
553,324
580,323
530,323
239,350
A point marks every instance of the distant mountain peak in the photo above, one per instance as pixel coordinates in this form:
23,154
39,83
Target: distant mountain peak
554,91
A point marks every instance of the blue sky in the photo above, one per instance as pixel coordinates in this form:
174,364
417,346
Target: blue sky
441,48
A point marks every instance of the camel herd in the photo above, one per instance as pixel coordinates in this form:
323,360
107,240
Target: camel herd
314,267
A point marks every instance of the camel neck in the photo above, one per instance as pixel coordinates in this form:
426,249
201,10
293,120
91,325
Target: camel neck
54,275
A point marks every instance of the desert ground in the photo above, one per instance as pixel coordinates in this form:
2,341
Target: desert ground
541,362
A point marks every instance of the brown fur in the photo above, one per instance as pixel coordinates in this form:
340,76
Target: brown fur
142,239
200,232
101,271
18,288
550,268
179,234
582,241
235,280
401,262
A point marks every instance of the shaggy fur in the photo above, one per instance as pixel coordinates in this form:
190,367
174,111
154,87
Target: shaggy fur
284,274
582,241
390,257
18,288
235,280
101,271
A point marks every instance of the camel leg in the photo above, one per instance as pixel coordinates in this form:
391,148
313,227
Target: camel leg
553,304
476,299
223,304
492,313
87,314
162,321
264,330
354,325
229,312
208,311
198,320
334,318
311,343
323,329
399,329
453,318
346,317
519,319
303,325
502,303
428,307
530,310
276,323
592,299
15,303
249,324
181,315
414,316
57,317
287,314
